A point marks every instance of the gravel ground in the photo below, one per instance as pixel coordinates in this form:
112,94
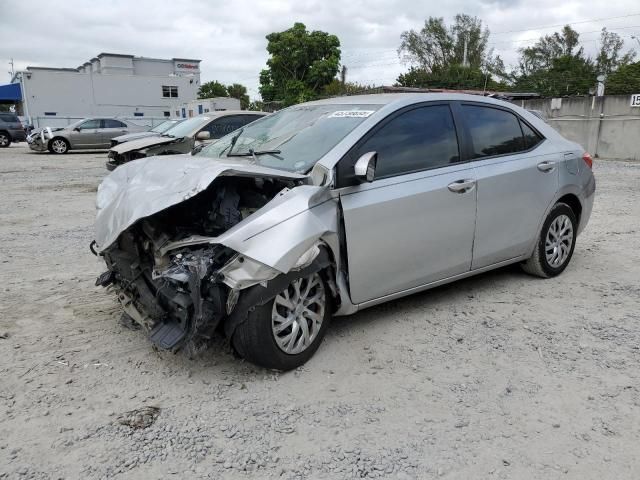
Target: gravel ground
498,376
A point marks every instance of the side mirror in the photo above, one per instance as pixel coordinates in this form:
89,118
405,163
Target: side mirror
77,129
365,167
203,135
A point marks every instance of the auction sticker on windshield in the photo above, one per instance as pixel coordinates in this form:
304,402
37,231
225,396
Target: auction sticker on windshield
351,114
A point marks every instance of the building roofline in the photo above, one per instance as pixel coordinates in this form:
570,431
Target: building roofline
121,55
186,59
53,68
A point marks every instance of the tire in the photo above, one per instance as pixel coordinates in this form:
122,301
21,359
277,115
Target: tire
5,140
551,256
256,339
58,145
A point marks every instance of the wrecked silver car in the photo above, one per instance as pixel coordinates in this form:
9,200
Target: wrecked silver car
328,207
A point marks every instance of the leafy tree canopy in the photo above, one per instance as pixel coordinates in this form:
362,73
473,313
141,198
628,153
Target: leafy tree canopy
300,64
625,80
212,89
240,92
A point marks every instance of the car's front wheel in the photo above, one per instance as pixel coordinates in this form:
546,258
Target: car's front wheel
286,331
5,140
58,146
556,243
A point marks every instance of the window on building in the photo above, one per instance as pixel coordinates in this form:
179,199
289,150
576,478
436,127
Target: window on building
138,114
169,91
167,114
52,114
493,131
177,113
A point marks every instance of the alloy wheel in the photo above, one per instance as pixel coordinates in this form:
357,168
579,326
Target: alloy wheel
59,146
4,140
297,314
558,241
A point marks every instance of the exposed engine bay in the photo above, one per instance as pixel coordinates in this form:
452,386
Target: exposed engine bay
181,295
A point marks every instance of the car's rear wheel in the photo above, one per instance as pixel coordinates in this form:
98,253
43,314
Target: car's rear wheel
556,243
286,331
58,146
5,140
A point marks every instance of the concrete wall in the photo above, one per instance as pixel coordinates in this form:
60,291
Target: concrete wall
607,127
76,94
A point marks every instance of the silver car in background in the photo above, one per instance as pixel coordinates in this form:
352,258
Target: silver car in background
87,134
184,137
154,132
329,207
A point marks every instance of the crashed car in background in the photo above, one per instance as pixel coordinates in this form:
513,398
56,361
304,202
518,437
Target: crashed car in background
86,134
154,132
183,137
329,207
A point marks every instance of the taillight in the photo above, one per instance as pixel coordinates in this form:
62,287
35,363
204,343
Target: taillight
587,159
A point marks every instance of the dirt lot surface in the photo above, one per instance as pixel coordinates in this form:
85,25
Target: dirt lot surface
498,376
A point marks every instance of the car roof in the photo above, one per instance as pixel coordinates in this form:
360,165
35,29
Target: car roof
404,99
222,113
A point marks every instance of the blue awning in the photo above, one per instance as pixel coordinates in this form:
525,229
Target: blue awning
10,93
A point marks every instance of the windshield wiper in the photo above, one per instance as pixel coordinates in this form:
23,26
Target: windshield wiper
253,153
233,142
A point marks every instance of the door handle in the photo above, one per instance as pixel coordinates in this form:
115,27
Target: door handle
462,186
546,166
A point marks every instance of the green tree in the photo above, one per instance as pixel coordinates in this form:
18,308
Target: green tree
549,48
566,75
437,45
212,89
609,57
450,77
625,80
300,64
437,55
240,92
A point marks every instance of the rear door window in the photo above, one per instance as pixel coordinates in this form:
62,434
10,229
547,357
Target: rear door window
9,118
223,125
493,131
110,123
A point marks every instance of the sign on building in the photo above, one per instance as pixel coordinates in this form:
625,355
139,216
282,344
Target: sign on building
635,100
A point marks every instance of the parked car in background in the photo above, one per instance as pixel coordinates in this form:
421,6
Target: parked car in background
154,132
329,207
183,137
11,130
85,134
28,127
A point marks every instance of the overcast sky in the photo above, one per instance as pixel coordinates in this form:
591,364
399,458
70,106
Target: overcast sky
229,36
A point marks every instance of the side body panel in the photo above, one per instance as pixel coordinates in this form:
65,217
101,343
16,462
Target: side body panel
406,231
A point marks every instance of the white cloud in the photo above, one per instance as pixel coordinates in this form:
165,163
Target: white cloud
229,36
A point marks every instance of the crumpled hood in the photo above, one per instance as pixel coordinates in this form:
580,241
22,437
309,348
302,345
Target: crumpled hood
141,143
143,187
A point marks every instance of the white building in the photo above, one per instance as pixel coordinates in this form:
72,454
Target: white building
109,84
206,105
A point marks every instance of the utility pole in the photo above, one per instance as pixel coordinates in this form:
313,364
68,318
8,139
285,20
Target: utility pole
12,71
465,63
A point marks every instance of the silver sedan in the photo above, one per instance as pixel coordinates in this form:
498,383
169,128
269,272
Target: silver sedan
330,207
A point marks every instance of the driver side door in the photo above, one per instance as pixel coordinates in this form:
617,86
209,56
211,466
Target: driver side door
88,134
413,224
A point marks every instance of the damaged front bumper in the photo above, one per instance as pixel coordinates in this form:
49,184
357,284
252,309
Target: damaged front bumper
184,300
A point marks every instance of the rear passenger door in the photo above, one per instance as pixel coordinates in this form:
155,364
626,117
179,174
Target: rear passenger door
414,223
112,128
515,182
